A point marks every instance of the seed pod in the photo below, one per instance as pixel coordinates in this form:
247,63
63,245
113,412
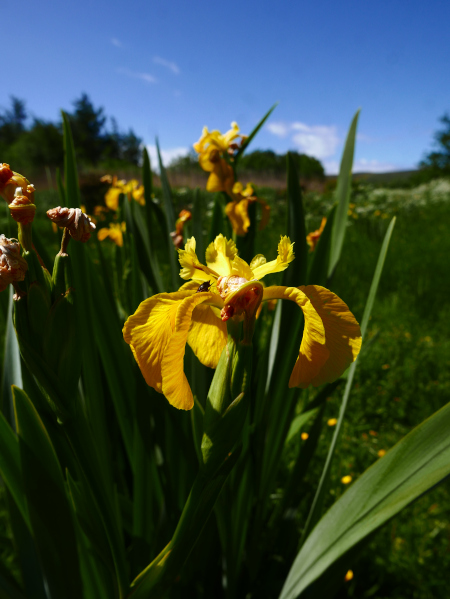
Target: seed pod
22,208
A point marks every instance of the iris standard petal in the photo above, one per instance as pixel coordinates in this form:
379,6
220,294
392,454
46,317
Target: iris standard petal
219,255
148,332
284,258
175,385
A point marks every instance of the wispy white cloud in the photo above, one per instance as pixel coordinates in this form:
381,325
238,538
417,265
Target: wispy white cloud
167,156
319,141
144,76
116,42
374,166
172,66
278,129
363,166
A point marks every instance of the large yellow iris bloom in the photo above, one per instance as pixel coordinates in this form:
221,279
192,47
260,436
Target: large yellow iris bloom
161,326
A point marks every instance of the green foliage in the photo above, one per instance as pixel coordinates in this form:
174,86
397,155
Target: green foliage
40,144
438,162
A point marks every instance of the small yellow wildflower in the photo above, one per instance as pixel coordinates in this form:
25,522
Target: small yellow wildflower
345,480
332,422
115,233
313,238
304,436
381,453
227,287
348,576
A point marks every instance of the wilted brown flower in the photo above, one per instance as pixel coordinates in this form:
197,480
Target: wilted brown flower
12,266
78,224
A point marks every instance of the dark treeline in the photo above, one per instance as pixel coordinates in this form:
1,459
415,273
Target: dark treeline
260,162
29,143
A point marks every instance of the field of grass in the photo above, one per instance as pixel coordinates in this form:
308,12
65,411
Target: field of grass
403,376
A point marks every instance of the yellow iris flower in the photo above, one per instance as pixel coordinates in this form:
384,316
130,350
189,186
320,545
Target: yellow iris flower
158,331
132,189
237,210
115,233
211,148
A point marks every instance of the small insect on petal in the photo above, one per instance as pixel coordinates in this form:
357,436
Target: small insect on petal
204,287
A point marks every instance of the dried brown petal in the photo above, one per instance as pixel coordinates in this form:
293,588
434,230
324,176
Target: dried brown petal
77,223
12,266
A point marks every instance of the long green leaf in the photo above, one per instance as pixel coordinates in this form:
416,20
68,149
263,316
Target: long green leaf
10,469
170,219
316,508
247,142
72,190
343,197
415,465
12,370
48,505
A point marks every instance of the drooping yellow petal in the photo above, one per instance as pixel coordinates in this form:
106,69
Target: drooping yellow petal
285,257
149,330
219,255
208,335
221,177
237,212
342,333
175,385
331,337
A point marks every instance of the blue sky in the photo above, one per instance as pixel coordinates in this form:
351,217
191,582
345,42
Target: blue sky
169,67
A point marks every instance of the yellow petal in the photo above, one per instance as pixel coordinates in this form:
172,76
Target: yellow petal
221,177
191,267
331,337
237,212
175,385
285,257
342,333
219,255
240,268
149,330
112,198
208,335
258,260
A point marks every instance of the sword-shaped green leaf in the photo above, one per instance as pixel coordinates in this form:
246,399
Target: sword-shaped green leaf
420,461
343,197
